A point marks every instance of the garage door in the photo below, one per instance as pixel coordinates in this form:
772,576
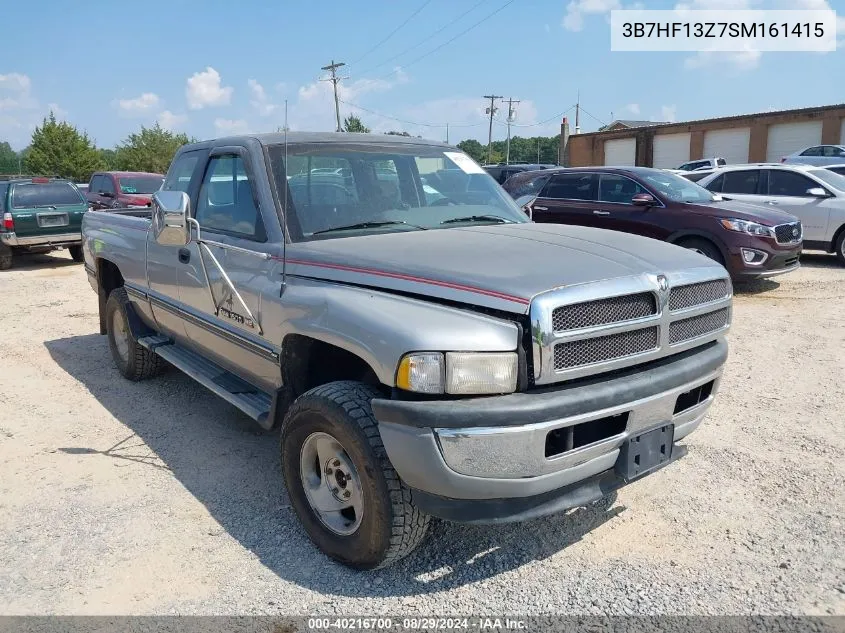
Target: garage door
670,150
620,151
842,133
732,145
786,138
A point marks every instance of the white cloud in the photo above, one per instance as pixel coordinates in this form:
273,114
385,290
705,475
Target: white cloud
56,109
735,60
170,121
633,108
15,82
668,113
147,102
577,9
260,101
16,92
226,127
204,89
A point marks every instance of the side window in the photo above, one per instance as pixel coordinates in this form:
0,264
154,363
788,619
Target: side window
741,181
226,201
788,183
721,162
180,173
529,186
812,151
833,151
94,185
618,189
574,186
107,184
716,184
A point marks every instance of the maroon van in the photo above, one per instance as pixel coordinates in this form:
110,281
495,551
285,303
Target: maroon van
749,240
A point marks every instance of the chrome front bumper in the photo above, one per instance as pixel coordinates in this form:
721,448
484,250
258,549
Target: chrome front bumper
60,239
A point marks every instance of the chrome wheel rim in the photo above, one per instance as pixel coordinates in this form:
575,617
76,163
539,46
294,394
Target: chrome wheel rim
331,483
121,335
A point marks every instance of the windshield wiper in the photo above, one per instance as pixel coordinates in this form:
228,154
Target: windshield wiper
479,218
367,225
45,206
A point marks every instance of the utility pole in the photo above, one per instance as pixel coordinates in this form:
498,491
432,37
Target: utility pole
578,114
511,117
332,68
491,111
447,134
538,150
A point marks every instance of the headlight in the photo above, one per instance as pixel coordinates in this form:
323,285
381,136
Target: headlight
744,226
459,373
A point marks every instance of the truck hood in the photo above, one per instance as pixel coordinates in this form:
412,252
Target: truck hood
499,266
745,211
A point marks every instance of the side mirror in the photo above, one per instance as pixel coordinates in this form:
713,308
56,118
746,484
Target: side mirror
817,192
107,194
170,218
642,200
526,204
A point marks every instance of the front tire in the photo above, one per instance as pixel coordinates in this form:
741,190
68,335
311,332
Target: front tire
341,484
840,248
76,253
704,247
132,360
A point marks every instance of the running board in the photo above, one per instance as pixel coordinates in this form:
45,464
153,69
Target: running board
246,397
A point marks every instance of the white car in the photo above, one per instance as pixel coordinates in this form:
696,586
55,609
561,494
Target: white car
704,163
839,169
815,195
817,155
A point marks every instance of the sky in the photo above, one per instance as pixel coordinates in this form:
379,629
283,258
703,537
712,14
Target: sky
211,68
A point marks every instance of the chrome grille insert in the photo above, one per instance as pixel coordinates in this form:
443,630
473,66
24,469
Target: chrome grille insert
604,348
696,294
693,327
604,311
788,233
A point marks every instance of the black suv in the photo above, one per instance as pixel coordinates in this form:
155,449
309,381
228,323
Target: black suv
502,171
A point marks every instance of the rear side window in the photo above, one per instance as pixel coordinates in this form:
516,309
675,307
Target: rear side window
50,194
788,183
741,181
833,151
180,173
572,187
812,151
715,184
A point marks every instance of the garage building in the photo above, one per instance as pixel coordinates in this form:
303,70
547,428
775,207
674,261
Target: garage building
752,138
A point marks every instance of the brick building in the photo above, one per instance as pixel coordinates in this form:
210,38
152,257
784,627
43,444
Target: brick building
748,138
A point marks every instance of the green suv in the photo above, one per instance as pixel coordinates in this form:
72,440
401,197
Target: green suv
40,215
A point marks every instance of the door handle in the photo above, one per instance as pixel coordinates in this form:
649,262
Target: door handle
598,212
184,255
536,208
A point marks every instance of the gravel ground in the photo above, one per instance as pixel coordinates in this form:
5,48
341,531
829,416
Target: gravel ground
159,498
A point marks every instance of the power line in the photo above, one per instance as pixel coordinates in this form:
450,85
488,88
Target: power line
434,50
543,122
332,68
592,117
424,40
393,32
405,121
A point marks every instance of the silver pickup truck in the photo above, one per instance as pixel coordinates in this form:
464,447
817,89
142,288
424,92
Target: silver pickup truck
425,349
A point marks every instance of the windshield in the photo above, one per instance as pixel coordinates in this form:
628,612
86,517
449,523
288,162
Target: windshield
677,188
347,189
48,194
140,184
831,178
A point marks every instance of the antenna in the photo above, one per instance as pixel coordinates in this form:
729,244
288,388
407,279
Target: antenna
285,207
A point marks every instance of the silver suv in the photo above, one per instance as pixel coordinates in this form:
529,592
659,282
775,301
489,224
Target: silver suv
814,194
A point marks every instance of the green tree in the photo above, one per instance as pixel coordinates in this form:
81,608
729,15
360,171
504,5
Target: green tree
58,149
149,150
8,159
109,157
395,133
474,149
353,124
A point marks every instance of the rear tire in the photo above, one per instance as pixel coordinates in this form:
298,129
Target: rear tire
840,248
379,523
703,246
76,253
5,257
132,360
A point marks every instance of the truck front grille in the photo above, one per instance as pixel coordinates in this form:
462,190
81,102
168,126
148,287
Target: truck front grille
605,348
604,311
788,233
693,327
693,295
